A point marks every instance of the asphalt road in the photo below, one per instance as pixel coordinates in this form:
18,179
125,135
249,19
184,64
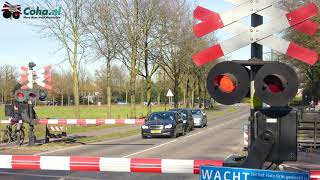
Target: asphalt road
223,136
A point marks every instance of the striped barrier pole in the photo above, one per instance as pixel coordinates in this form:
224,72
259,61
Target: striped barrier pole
103,164
85,121
246,136
315,174
67,163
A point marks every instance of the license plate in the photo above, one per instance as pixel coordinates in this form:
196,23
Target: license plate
155,131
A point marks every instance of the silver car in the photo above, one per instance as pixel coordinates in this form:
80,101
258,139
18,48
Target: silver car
199,118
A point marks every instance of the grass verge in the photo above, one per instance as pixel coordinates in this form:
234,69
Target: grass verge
211,114
64,143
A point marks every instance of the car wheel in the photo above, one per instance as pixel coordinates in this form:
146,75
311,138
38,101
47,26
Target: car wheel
183,132
174,134
144,137
187,129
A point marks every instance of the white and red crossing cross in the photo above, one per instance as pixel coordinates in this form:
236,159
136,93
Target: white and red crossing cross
43,77
298,19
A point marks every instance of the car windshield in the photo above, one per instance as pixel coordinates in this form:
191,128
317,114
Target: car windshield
168,116
196,112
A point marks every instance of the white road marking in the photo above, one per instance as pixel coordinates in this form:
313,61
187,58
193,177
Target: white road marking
188,136
149,149
296,168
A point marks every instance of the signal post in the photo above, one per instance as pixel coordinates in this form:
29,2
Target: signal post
28,94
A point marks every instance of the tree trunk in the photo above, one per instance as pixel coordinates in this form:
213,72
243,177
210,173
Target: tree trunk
175,92
88,99
132,92
159,97
76,89
109,95
149,89
142,97
188,93
199,94
192,98
126,96
2,97
5,96
69,99
184,97
62,99
76,75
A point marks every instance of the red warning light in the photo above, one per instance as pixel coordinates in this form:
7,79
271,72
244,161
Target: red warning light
225,83
20,95
274,83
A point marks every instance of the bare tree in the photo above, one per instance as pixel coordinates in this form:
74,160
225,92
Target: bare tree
8,82
99,24
128,32
68,30
176,24
151,45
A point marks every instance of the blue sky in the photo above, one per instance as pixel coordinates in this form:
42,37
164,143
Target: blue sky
22,43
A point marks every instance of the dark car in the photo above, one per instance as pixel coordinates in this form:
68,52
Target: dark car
199,118
187,118
163,124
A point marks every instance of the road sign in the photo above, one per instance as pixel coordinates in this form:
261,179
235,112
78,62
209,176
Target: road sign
224,173
169,93
263,34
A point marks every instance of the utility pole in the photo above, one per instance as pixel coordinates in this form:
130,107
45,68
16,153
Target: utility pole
32,137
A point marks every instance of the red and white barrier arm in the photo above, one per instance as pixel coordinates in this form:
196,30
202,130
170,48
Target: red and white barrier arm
103,164
315,175
67,163
86,121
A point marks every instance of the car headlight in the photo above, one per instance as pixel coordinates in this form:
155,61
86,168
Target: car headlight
145,127
169,126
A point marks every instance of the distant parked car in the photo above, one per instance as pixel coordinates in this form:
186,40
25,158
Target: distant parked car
199,117
163,124
151,103
53,103
121,103
187,118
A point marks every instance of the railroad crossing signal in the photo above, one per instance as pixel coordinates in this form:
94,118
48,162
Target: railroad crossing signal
263,34
32,95
43,78
26,78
